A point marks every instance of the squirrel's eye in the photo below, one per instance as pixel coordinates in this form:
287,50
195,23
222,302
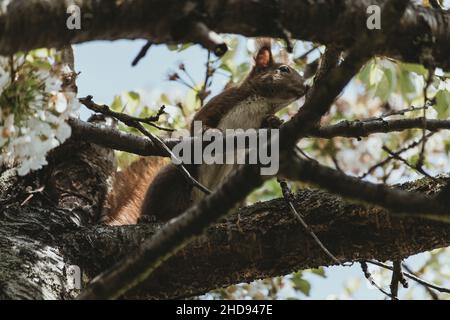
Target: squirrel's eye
284,69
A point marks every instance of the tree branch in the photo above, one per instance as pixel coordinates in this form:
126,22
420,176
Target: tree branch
109,137
399,201
112,138
365,128
419,31
264,240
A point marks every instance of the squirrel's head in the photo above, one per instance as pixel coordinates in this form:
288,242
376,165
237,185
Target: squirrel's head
276,81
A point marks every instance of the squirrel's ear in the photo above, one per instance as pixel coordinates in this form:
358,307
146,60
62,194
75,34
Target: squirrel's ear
263,58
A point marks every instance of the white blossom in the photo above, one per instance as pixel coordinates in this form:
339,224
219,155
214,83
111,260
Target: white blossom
26,142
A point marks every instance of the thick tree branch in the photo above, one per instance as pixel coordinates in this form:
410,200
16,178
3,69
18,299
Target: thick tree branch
265,240
419,33
399,201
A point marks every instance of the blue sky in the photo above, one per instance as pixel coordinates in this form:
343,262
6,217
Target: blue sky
106,71
106,68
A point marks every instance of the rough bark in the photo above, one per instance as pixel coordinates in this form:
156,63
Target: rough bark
264,240
422,35
37,209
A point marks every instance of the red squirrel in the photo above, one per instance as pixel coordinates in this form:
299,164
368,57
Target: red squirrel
269,87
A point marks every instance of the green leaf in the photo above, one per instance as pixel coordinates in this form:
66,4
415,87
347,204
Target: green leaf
364,74
228,66
391,76
406,84
375,76
301,284
414,159
116,105
41,64
164,99
232,44
319,272
133,95
383,88
442,104
179,47
243,68
413,67
41,53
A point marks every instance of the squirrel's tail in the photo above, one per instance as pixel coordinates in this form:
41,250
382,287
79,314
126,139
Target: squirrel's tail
123,203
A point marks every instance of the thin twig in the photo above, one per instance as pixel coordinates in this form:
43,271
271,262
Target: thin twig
430,291
402,111
174,76
182,67
288,196
406,162
208,73
429,80
125,118
303,153
286,35
369,277
397,277
142,53
307,53
411,276
396,153
336,163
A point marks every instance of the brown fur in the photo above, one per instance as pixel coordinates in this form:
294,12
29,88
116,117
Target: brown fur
123,204
211,114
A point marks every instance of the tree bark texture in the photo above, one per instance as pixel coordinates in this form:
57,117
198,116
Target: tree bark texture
422,35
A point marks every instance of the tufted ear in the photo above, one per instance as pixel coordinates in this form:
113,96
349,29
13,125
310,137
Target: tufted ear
263,58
